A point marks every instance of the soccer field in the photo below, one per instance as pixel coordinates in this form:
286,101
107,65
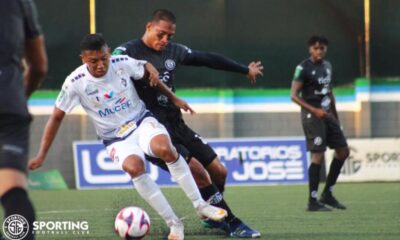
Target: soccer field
277,211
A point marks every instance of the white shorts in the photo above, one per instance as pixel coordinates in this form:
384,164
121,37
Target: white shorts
138,143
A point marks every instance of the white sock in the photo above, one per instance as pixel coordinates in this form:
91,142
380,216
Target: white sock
180,172
150,192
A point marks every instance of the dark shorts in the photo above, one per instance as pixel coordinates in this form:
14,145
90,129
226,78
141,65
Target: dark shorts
14,141
321,133
188,143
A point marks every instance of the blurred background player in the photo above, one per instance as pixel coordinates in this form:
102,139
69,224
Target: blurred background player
103,88
166,56
312,90
20,38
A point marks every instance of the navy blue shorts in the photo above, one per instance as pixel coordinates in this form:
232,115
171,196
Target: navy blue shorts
14,141
188,143
321,133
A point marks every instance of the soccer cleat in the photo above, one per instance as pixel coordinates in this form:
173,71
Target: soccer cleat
244,231
208,211
217,225
328,199
315,206
176,230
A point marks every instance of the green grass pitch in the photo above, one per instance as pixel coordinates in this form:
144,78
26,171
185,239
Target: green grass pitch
277,211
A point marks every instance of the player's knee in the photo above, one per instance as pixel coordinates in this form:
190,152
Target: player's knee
167,153
343,154
134,166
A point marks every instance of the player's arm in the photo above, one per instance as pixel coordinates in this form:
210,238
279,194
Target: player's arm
295,95
50,132
220,62
160,86
36,64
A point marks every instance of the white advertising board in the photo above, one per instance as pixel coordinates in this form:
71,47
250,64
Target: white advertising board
370,160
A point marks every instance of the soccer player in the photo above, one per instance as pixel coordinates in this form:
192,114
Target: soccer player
166,56
312,90
20,38
103,87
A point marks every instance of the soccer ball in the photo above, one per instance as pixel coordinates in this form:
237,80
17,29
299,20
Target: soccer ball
132,223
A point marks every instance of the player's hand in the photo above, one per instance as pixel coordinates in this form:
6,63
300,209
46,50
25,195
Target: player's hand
255,69
320,113
183,105
153,74
35,163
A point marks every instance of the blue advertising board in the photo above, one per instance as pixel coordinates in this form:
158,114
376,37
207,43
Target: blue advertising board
249,162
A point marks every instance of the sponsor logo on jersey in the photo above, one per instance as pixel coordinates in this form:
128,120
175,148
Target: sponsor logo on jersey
123,82
170,64
109,95
121,105
121,100
91,90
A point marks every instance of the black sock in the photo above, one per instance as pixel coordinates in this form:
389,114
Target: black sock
313,181
16,201
221,188
333,174
215,198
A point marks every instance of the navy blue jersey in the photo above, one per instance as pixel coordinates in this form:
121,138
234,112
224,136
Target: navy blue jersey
18,22
317,82
165,62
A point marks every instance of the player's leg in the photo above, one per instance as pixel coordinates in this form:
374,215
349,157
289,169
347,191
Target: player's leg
337,141
155,141
130,158
14,137
203,153
313,182
218,173
315,133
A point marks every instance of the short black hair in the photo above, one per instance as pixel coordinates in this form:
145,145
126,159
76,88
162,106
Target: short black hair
163,14
93,42
317,39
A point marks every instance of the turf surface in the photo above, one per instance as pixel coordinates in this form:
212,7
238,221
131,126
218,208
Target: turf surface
277,211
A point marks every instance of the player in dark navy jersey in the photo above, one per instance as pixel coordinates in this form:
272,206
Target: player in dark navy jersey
166,56
312,90
20,38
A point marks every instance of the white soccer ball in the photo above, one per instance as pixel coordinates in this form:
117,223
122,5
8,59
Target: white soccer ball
132,223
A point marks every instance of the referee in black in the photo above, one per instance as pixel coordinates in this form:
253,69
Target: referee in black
312,90
20,38
166,56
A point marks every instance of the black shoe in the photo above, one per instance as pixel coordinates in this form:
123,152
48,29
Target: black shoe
315,206
328,199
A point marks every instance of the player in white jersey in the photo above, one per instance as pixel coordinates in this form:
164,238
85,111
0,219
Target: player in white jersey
103,87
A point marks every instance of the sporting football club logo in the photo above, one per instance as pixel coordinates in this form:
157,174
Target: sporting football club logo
170,64
15,227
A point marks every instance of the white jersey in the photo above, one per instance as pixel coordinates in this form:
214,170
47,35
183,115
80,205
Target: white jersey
111,101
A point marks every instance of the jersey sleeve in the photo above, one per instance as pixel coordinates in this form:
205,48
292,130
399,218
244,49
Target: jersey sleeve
67,98
135,68
299,73
31,23
182,51
121,50
215,61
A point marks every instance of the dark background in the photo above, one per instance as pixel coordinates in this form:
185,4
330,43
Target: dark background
273,31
